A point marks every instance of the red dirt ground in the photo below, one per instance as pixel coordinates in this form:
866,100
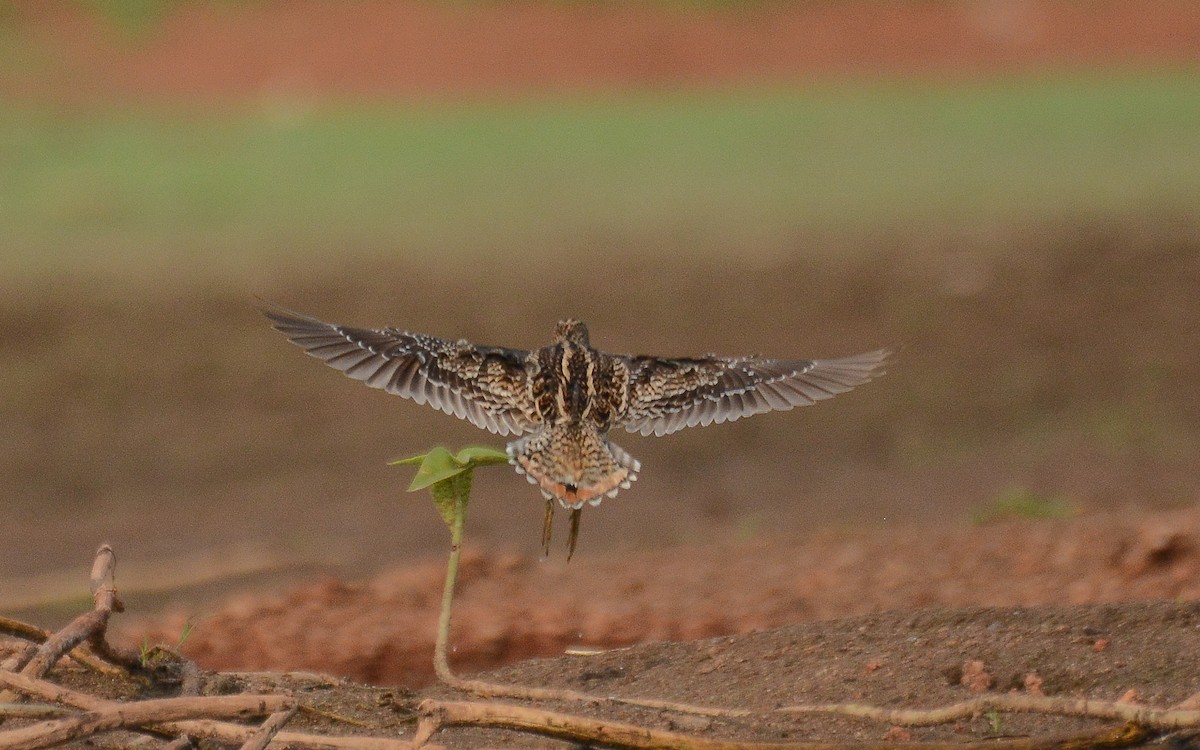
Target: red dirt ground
512,607
380,49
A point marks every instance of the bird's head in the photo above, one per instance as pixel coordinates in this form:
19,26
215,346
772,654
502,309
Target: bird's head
572,330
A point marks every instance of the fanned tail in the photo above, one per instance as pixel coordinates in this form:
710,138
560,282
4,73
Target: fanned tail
573,464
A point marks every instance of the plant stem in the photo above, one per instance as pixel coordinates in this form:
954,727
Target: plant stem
440,664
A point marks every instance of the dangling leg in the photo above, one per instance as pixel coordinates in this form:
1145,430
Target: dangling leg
547,527
575,514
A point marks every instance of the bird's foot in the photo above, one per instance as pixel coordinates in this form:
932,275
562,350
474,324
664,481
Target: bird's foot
547,528
575,514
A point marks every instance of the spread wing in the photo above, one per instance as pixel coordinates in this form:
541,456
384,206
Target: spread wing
484,385
667,395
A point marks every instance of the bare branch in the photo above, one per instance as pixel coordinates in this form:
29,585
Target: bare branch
1146,716
80,629
130,715
52,693
88,626
16,661
103,579
265,733
84,654
33,711
198,728
9,626
582,729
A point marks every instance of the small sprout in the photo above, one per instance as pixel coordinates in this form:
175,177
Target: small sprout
150,655
448,479
994,721
188,626
448,476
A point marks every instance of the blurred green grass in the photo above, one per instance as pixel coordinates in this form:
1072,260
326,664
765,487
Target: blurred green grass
715,171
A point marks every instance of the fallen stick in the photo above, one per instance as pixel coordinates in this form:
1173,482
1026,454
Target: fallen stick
33,711
52,693
232,734
265,733
1184,715
1146,716
23,630
683,708
13,663
139,713
35,635
585,730
90,626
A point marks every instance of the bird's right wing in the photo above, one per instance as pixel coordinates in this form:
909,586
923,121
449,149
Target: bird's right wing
484,385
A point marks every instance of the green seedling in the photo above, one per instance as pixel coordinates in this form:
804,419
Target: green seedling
448,478
150,654
995,721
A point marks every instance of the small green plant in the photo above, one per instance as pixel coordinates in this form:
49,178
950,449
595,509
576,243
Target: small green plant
995,721
448,478
1021,503
150,654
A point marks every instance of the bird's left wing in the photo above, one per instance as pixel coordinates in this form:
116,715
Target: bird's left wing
666,395
484,385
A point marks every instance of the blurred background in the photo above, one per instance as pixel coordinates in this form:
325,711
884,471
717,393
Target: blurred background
1006,191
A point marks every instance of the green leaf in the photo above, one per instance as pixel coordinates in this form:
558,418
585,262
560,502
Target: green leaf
480,455
439,464
449,503
411,460
448,477
436,465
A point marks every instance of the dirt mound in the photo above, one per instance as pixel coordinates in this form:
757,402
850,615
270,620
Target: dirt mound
1142,652
511,607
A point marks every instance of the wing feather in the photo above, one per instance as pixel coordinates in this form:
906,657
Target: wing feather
484,385
667,395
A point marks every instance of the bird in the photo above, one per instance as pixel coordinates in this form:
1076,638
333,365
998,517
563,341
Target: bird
561,401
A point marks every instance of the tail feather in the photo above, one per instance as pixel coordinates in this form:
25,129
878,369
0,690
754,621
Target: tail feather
573,464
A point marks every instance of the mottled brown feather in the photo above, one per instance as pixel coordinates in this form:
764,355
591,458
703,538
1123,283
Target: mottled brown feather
667,395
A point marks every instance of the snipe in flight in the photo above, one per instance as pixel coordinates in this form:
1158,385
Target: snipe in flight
563,399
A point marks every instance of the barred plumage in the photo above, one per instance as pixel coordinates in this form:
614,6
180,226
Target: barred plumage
563,399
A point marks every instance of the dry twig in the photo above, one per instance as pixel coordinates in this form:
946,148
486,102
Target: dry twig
35,635
197,728
32,711
1146,716
265,733
90,626
101,713
136,714
582,729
